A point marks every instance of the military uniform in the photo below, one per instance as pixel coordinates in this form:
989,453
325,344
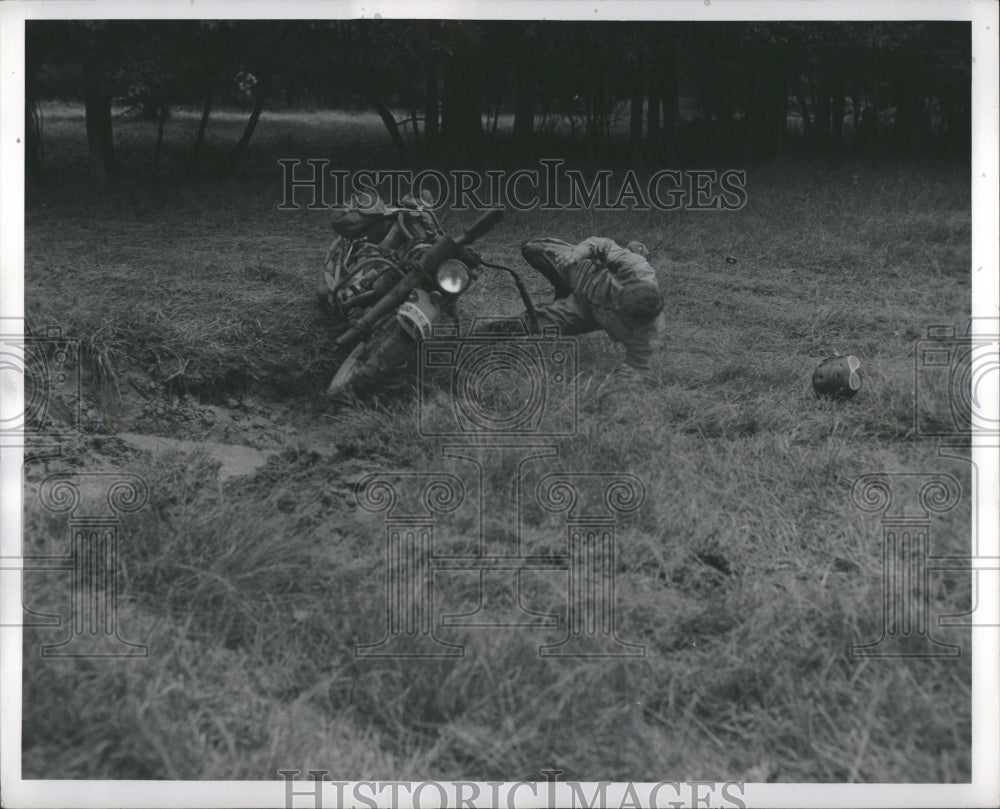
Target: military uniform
589,293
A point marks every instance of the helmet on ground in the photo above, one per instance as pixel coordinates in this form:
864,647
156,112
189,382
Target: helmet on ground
638,248
837,376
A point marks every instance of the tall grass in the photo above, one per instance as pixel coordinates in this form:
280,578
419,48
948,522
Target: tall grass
747,573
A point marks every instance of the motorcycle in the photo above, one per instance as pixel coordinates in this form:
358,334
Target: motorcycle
389,278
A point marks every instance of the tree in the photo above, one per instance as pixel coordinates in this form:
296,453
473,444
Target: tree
430,81
263,79
97,102
461,113
431,56
525,40
34,53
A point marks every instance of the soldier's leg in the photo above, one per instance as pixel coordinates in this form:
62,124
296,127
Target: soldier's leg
639,348
540,254
567,315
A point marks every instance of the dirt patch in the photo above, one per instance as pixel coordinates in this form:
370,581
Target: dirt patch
234,459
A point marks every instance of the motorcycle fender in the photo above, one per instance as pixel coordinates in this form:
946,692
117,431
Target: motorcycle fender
418,315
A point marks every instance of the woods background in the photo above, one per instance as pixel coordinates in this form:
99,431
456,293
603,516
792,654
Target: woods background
472,94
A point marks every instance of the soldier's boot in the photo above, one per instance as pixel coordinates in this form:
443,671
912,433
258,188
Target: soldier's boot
540,254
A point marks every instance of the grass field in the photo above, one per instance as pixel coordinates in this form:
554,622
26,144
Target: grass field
747,573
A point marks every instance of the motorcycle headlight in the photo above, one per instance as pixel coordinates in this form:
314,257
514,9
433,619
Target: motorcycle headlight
452,276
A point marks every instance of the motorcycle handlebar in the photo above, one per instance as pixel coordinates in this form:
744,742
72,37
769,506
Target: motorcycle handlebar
483,225
446,247
443,249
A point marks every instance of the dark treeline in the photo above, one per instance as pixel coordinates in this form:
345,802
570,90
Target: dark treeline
470,94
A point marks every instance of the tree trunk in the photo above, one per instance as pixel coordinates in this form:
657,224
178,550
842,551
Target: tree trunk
292,92
149,109
461,117
100,139
779,104
800,96
906,129
655,97
206,111
724,120
389,120
602,112
635,115
838,111
162,114
753,107
588,132
97,104
32,116
958,120
926,127
823,95
722,100
670,101
592,91
495,119
34,55
241,145
432,112
415,124
32,140
431,98
524,96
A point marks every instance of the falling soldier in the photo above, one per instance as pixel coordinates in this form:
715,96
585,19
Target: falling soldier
601,285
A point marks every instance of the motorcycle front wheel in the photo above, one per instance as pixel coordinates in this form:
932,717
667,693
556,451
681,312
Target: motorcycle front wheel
373,362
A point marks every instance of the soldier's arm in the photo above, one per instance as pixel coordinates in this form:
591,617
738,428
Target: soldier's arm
596,248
